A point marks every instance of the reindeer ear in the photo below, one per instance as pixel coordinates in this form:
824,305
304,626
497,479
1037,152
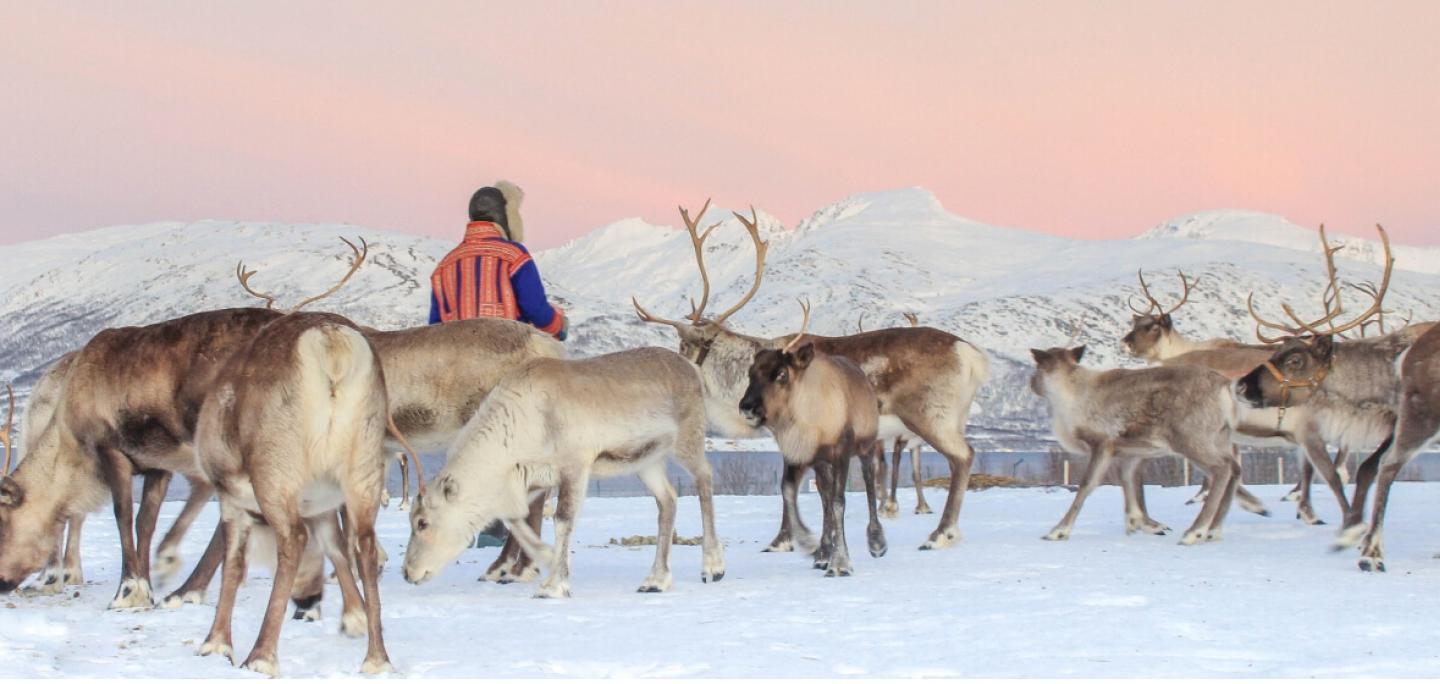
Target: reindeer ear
1039,355
1078,353
804,355
11,493
1325,347
1165,321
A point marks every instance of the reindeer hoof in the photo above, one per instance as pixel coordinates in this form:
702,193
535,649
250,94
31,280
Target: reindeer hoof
265,665
839,571
923,509
1308,517
177,599
354,624
134,594
778,546
1371,564
217,648
1349,537
555,590
167,563
1214,535
375,667
1057,535
1292,495
941,540
891,509
712,576
1192,538
655,585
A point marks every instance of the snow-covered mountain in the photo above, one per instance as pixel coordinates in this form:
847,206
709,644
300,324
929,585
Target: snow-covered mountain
878,254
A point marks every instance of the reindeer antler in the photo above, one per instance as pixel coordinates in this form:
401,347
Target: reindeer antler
5,434
697,239
1155,305
910,316
1330,298
860,323
804,325
360,253
752,227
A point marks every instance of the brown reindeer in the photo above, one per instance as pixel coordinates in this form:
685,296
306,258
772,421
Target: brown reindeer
822,412
925,380
1132,414
127,407
291,432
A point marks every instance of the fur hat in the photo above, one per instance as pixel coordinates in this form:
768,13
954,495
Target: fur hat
500,204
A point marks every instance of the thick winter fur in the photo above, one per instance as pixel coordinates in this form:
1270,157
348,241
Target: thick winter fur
1136,414
822,412
1355,403
1417,425
556,423
925,379
292,430
513,197
436,376
128,407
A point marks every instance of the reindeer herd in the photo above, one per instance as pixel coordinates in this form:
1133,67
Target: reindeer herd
287,416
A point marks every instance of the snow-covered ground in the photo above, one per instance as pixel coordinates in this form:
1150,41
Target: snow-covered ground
1269,600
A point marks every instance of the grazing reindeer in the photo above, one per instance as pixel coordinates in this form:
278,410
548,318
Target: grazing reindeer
822,411
1134,414
436,377
1343,390
925,380
292,431
127,407
555,423
1417,424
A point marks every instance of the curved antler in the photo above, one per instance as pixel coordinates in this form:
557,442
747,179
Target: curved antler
804,325
1185,284
5,434
1330,298
752,226
650,318
698,241
910,316
360,253
860,323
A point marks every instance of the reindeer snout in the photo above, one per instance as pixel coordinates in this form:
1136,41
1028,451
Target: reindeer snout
6,586
750,409
1248,390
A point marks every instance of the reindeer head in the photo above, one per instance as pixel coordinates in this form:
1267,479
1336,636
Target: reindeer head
697,332
449,513
1051,363
1150,326
1307,348
773,375
1291,375
26,533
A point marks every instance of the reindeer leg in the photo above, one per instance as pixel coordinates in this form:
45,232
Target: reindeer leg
659,485
193,590
961,457
167,557
891,509
1136,517
156,484
824,484
1302,486
1221,470
234,533
290,537
1416,427
567,509
74,574
1317,455
360,509
690,452
793,533
309,587
134,591
917,478
882,469
512,564
840,565
874,533
1364,477
327,529
1095,472
1212,532
1248,501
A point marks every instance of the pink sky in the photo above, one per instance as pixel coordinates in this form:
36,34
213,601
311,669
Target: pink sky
1094,119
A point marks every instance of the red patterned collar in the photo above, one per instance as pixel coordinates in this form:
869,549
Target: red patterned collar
483,230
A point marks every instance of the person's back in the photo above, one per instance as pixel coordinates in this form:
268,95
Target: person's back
490,274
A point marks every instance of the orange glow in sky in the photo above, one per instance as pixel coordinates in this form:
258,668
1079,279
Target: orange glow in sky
1087,119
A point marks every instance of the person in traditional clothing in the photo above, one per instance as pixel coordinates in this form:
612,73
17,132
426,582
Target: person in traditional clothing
490,274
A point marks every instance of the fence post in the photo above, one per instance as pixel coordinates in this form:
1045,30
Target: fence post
1185,466
1065,468
1279,470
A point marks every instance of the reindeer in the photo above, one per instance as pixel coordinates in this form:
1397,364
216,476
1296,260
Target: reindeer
436,377
291,431
127,406
1417,424
925,380
1132,414
1153,338
1342,390
821,410
555,423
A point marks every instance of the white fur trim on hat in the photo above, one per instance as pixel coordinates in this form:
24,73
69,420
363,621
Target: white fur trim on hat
513,197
